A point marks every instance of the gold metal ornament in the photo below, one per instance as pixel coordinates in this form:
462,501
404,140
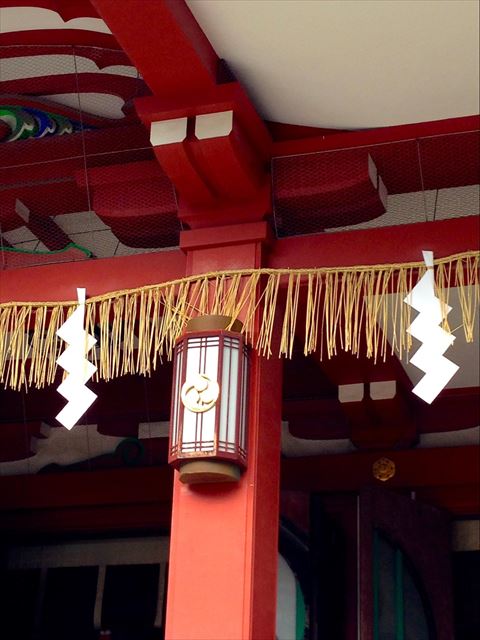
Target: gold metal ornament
383,469
199,393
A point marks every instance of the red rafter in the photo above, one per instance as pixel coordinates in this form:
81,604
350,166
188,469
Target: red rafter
165,43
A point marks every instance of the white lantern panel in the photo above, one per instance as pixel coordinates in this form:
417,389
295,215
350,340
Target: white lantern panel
243,406
209,403
199,428
229,395
175,418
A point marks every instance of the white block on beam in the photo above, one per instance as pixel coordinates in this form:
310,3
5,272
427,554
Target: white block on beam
351,392
384,390
168,131
214,125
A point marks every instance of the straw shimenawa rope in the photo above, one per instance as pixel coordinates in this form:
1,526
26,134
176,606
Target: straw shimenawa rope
356,309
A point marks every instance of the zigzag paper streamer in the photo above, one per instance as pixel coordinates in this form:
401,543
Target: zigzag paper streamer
435,340
74,361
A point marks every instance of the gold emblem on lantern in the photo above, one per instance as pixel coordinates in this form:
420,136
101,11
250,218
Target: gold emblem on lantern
199,393
383,469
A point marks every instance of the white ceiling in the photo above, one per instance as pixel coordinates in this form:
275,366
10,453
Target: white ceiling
334,63
350,63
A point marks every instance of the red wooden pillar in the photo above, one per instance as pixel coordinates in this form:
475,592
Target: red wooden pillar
224,539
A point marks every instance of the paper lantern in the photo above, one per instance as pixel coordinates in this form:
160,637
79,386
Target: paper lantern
208,422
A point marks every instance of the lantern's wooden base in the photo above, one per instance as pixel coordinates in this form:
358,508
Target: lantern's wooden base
207,471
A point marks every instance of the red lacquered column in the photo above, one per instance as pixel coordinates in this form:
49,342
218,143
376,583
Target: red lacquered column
223,553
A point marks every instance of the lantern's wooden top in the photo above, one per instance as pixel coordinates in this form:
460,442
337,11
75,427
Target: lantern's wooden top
213,323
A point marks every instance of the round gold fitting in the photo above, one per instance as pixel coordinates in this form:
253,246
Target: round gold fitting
383,469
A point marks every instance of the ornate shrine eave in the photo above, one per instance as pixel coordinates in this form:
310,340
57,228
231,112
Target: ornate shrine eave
243,176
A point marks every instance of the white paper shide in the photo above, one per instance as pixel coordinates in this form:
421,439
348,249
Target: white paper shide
435,340
75,362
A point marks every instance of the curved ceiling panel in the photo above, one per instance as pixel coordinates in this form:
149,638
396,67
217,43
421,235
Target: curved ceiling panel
54,64
350,64
30,18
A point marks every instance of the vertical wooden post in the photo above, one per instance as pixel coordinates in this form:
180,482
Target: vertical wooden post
224,539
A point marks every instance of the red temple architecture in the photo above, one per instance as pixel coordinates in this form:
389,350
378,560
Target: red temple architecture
244,189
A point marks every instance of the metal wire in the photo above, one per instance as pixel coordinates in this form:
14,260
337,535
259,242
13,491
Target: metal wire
54,186
427,179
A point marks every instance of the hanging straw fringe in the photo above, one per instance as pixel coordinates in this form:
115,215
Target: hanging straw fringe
356,309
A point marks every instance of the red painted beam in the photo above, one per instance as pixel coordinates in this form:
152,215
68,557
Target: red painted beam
458,500
44,39
48,232
377,246
317,418
111,519
164,41
16,439
352,139
58,156
453,409
136,200
218,178
95,82
415,468
374,246
87,502
83,489
223,97
374,424
139,499
58,282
